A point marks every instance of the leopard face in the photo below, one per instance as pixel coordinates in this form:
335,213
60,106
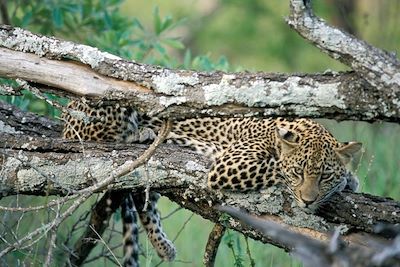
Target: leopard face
314,166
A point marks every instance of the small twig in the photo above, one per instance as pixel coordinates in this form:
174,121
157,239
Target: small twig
45,228
48,205
105,244
36,92
52,244
252,261
99,256
182,227
214,239
171,213
10,90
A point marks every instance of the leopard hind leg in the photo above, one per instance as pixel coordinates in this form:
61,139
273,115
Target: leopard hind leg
151,221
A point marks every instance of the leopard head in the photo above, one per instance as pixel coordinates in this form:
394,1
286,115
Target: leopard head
314,165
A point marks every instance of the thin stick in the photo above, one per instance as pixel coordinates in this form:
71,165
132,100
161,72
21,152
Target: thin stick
214,239
105,244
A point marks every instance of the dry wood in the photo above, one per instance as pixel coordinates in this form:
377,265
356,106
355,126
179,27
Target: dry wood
313,252
182,93
378,67
65,169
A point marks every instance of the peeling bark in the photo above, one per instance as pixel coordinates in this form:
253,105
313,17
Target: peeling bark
379,68
182,93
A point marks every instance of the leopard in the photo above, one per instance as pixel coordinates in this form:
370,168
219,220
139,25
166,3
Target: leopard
247,153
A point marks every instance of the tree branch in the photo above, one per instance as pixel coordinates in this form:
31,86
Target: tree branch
64,169
182,93
378,67
323,254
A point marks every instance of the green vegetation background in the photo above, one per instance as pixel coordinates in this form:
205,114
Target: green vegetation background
208,35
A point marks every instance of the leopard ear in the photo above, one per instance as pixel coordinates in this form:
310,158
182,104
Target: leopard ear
347,151
287,139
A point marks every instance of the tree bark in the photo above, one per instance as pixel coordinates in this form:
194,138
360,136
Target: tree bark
182,93
37,164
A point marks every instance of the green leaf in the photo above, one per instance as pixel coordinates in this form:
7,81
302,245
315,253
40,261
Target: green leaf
159,48
107,20
137,23
166,23
173,42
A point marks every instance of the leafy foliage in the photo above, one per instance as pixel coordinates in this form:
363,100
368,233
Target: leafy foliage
101,24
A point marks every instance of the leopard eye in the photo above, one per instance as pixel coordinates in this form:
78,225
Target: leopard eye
297,176
326,176
297,171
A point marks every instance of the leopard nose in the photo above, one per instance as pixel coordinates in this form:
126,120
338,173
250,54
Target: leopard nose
308,202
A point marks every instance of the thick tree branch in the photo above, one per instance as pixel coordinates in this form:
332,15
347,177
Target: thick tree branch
68,166
323,254
182,93
380,68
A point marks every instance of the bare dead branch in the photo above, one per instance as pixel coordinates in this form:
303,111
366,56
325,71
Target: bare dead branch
380,68
52,244
182,93
36,92
108,248
316,253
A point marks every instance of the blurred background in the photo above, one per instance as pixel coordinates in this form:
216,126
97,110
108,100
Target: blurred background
228,35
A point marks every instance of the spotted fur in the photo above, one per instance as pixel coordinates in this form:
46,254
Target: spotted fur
247,153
